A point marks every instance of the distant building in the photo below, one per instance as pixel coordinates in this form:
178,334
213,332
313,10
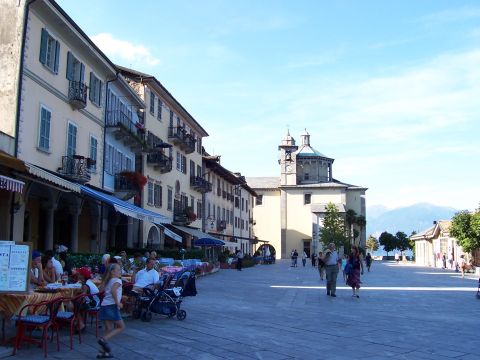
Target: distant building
289,210
432,243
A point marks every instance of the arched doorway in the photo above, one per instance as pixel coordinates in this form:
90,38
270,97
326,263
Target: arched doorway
153,239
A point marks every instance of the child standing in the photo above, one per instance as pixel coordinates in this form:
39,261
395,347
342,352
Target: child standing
110,309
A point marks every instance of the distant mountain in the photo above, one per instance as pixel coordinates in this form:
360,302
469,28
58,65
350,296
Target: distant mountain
415,217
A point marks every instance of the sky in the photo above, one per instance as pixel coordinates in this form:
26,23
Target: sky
389,89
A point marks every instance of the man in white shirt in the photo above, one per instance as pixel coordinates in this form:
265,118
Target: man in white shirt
56,264
331,269
146,277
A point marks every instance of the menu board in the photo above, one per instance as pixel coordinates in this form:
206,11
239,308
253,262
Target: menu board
14,266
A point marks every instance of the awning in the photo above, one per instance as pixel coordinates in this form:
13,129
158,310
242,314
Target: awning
12,162
57,180
125,207
7,183
170,233
196,233
208,242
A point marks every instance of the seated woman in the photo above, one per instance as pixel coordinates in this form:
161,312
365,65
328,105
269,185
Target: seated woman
84,275
36,272
49,273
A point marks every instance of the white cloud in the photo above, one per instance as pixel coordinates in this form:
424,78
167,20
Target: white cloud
125,52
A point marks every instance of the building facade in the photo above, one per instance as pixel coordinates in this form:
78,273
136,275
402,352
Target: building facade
289,209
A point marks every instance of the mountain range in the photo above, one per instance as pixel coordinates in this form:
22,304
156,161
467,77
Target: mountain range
417,217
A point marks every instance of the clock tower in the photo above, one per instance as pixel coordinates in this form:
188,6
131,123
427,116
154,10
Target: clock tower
287,161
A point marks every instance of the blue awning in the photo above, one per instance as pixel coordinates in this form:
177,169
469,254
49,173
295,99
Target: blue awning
208,242
170,233
125,207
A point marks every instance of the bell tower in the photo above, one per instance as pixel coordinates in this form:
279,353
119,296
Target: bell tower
287,160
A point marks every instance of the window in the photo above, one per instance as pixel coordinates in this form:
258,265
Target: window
199,210
231,217
259,200
218,212
159,113
152,103
44,129
179,161
157,195
71,140
223,214
199,171
96,86
192,202
150,193
243,203
128,164
170,199
213,211
49,51
75,69
184,164
93,153
209,210
307,176
307,199
199,145
192,168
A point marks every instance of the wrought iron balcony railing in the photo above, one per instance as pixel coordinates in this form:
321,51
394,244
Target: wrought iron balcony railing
160,161
77,94
76,168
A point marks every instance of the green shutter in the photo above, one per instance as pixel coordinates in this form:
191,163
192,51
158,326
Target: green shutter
57,57
43,46
91,92
82,73
70,69
100,89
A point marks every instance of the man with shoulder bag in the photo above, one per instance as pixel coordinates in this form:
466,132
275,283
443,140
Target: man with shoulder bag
331,266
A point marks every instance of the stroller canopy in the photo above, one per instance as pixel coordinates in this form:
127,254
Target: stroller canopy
208,242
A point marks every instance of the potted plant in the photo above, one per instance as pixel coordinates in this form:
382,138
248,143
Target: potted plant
136,178
191,216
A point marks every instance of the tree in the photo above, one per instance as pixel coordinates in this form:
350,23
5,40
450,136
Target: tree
333,227
350,218
361,222
388,241
372,243
412,242
466,228
401,241
355,234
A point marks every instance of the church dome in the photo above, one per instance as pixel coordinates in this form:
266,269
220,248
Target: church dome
288,140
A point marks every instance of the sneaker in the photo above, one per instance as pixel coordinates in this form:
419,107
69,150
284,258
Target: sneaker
333,295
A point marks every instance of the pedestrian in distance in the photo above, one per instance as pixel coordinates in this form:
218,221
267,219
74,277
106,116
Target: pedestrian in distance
304,258
355,269
314,259
331,269
368,261
444,261
110,309
291,257
321,265
463,265
344,263
295,258
240,257
450,260
397,257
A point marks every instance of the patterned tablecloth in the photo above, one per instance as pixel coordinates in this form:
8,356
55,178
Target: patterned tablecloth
10,304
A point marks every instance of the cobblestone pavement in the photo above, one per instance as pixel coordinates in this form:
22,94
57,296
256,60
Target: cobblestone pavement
279,312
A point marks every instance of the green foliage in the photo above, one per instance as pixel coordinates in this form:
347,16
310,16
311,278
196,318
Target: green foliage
388,241
372,243
334,227
402,242
166,253
466,228
78,260
355,234
350,218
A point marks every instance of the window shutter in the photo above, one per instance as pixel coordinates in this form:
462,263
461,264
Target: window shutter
57,57
91,94
43,46
99,95
69,66
82,73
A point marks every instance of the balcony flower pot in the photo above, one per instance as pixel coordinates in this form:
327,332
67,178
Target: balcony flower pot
135,178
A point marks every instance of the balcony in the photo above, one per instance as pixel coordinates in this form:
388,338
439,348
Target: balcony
128,184
178,136
221,225
76,168
182,215
77,94
200,184
124,129
160,162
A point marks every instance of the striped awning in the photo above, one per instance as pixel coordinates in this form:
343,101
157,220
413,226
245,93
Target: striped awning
7,183
125,207
171,234
57,180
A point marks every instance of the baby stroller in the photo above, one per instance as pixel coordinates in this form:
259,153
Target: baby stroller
167,300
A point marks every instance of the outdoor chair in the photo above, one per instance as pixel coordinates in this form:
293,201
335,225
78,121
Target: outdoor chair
32,320
93,313
68,318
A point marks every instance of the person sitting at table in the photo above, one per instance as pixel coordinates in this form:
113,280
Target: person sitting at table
137,263
66,263
49,272
36,272
56,264
84,275
147,277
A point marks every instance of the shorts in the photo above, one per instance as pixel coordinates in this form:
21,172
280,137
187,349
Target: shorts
110,312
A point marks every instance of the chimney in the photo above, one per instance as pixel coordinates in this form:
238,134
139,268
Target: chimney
435,222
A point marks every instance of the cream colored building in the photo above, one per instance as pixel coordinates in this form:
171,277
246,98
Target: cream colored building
432,243
173,164
289,209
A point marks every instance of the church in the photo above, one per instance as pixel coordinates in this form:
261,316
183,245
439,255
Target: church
289,209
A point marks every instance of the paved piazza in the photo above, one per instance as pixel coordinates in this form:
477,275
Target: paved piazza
279,312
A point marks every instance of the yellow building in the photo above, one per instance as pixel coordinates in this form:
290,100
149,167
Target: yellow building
289,209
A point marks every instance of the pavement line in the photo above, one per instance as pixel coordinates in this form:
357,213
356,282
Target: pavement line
385,288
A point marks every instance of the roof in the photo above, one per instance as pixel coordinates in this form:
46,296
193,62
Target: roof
212,163
307,150
143,77
322,208
263,182
425,234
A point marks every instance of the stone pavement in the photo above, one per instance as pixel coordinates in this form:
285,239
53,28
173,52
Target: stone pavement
278,312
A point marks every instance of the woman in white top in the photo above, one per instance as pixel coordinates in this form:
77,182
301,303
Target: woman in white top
88,287
110,308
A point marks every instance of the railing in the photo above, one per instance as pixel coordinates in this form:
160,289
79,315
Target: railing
178,135
221,225
117,118
200,184
161,161
124,184
76,168
77,94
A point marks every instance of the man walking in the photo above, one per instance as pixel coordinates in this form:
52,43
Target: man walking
239,259
331,265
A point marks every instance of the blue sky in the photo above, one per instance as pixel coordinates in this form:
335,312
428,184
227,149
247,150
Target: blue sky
390,90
